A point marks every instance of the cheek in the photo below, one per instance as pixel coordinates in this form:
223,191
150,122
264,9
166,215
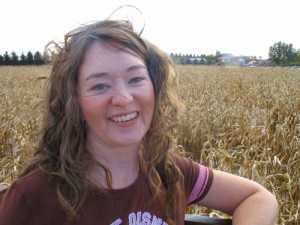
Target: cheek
86,107
82,111
151,102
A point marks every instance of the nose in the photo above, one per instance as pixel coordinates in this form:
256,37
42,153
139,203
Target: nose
121,98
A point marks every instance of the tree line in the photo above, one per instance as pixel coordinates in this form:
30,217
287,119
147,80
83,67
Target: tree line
280,54
13,59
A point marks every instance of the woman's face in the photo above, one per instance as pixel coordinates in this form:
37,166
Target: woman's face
116,95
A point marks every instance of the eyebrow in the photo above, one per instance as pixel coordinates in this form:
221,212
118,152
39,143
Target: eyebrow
96,75
135,67
129,69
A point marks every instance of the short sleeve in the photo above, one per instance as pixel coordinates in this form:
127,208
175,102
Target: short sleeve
14,209
201,186
197,179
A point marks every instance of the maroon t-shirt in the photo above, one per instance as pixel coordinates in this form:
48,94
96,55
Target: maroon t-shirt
32,200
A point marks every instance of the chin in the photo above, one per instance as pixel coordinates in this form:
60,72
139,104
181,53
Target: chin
130,141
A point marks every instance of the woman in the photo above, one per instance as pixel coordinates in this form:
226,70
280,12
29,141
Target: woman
106,154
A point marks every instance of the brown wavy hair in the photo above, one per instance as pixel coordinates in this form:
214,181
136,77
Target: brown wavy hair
61,151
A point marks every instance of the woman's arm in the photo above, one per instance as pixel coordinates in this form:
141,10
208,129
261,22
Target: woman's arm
247,201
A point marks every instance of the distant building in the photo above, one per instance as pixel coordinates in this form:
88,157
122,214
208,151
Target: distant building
225,58
242,61
229,59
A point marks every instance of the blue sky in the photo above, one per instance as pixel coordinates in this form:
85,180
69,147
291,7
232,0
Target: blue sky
187,27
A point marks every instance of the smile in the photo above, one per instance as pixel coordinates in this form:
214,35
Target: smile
124,118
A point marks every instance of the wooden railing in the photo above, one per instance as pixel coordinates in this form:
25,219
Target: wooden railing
205,220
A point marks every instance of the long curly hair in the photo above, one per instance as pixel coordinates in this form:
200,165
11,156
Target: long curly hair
61,151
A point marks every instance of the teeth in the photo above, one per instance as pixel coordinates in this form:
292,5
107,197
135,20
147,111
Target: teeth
124,118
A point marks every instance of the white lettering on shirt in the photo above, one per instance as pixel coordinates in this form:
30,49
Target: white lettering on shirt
144,218
117,222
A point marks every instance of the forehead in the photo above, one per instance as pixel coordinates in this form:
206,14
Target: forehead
107,56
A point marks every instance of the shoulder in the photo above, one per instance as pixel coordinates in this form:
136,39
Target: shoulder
30,198
34,175
197,178
182,160
31,187
186,165
35,181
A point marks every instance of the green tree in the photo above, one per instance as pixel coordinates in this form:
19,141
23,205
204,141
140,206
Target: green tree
297,61
203,60
37,58
23,59
1,60
14,59
183,59
195,62
282,54
7,58
211,59
29,58
218,54
172,56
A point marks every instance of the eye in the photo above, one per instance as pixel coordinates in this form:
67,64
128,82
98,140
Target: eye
99,86
136,79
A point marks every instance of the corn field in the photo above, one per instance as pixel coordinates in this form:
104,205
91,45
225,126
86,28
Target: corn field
244,121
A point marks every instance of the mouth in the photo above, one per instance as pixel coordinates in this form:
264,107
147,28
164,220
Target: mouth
124,118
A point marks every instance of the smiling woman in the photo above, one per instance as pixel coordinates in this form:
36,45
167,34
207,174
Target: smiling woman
117,99
106,153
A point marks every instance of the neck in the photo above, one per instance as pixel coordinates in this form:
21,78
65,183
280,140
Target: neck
122,163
